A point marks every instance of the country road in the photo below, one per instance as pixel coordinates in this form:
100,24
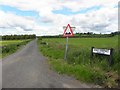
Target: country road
27,68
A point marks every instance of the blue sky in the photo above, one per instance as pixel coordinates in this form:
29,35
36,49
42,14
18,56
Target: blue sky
67,11
48,17
64,11
16,11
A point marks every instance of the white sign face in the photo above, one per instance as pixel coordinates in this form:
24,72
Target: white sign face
68,31
101,51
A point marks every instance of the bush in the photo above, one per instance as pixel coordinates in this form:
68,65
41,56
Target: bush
8,49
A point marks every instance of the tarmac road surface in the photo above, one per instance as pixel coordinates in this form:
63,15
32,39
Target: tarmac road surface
27,68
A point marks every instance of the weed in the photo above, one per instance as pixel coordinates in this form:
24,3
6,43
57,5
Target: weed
79,63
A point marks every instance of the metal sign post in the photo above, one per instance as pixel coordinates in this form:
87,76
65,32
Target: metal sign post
68,32
65,57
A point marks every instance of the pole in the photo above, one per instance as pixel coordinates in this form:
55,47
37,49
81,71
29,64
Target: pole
111,57
65,57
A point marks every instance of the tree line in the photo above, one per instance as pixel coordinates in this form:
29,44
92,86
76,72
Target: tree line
77,35
18,37
86,35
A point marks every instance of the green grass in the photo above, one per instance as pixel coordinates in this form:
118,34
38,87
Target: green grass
78,63
8,42
87,42
10,46
78,71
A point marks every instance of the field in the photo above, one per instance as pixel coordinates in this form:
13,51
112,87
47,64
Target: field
8,42
10,46
78,63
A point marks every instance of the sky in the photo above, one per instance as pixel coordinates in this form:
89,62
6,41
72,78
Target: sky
47,17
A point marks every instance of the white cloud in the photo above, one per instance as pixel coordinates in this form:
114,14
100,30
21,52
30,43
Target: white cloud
48,5
13,24
102,20
10,20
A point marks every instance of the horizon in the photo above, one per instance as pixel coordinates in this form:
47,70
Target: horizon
61,34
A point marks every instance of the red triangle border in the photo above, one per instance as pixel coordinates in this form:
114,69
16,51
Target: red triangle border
68,35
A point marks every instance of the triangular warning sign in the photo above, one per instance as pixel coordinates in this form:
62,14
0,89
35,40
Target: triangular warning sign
68,31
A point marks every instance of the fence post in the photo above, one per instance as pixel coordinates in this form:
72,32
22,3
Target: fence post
91,56
111,62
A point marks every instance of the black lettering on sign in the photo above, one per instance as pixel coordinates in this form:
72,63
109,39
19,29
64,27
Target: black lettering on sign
106,52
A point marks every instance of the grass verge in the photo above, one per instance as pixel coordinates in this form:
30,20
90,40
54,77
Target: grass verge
78,62
8,49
